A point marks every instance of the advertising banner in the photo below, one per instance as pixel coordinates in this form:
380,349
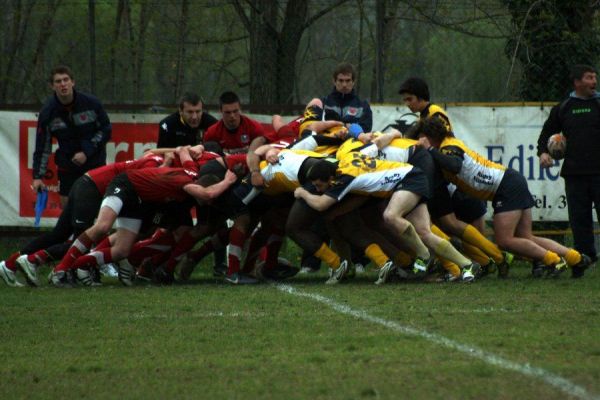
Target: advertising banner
507,135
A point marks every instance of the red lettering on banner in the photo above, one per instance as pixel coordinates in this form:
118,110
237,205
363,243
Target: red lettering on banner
129,141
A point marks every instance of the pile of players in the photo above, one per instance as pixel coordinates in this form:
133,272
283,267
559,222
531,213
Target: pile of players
333,187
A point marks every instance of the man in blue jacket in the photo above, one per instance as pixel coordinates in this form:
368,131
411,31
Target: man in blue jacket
343,101
81,127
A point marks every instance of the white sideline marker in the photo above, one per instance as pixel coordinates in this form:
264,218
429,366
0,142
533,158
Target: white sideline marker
557,381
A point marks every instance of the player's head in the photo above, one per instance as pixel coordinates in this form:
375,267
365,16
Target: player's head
190,109
62,82
415,94
321,174
433,129
344,76
584,80
231,111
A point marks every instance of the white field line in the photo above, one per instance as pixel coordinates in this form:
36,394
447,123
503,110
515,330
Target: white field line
557,381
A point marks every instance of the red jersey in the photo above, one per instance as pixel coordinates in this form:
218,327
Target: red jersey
161,185
103,175
236,141
290,131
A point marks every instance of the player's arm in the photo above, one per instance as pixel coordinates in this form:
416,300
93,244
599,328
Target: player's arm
382,141
449,158
210,192
253,160
320,126
42,152
318,202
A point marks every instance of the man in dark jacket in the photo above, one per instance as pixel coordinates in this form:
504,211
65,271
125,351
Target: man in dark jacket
578,118
344,102
186,126
81,127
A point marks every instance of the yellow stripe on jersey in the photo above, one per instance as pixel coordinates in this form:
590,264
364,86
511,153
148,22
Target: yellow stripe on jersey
372,177
435,111
399,149
283,176
478,176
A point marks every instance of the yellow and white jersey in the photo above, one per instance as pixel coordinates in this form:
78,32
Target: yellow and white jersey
435,111
478,176
360,174
399,150
283,176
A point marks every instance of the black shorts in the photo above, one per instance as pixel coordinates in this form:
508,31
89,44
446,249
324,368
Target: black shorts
84,203
467,208
66,180
174,214
441,202
512,194
416,182
133,207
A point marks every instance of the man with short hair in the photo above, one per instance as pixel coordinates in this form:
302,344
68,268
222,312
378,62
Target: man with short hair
235,131
578,118
187,125
344,102
80,125
415,94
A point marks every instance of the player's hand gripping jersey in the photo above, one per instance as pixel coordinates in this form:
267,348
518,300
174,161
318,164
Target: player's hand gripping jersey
284,176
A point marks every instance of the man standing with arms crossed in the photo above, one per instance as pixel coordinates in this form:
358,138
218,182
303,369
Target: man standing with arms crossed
80,125
578,118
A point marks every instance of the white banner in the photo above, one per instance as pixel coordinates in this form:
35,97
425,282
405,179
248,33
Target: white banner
507,135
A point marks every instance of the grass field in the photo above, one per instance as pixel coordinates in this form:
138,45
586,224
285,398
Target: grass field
495,339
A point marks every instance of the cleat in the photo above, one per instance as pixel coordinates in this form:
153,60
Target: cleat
220,270
240,279
360,268
186,267
85,278
469,272
29,269
578,270
59,279
555,270
504,266
109,270
308,270
336,276
538,269
420,266
9,276
387,269
163,277
145,270
279,273
126,273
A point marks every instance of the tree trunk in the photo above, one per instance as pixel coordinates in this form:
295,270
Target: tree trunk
181,49
43,38
140,49
20,23
113,51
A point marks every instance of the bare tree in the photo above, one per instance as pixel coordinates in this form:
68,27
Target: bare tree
274,41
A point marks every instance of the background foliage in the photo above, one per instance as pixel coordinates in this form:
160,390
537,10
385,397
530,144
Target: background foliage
277,52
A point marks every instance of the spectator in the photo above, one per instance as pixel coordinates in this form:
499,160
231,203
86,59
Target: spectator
578,118
187,126
344,102
81,127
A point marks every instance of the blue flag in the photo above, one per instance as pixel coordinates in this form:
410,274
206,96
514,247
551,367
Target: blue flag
40,205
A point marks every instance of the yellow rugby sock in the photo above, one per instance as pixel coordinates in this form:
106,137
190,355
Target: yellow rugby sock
402,259
573,257
446,250
450,267
550,258
472,236
375,254
328,256
438,232
414,242
475,254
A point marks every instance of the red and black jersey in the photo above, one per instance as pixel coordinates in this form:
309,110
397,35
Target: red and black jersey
238,140
161,185
103,175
